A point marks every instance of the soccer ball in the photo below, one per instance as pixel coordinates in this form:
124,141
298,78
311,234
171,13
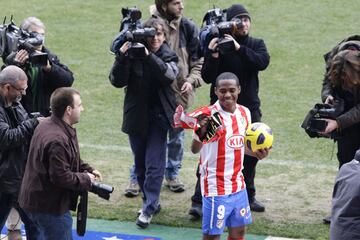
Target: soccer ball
258,135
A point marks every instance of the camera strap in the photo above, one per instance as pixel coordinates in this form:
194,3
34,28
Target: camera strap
81,214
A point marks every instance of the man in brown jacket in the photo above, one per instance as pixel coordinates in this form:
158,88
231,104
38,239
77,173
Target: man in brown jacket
55,173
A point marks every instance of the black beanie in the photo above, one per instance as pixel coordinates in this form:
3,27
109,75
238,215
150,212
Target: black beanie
236,10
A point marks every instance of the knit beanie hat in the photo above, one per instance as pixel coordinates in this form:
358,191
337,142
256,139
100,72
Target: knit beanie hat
236,10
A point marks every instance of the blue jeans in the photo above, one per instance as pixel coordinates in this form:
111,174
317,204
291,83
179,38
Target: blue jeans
8,201
175,153
149,155
52,227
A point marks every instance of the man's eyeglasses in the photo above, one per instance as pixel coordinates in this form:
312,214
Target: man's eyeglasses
21,90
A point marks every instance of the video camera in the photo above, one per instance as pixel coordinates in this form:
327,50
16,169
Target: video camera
314,121
13,39
132,31
216,26
102,190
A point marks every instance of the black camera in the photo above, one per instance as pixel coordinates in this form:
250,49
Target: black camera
101,189
13,39
216,26
315,122
132,31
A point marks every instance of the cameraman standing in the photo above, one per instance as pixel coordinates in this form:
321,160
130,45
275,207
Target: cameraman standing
248,57
149,107
43,80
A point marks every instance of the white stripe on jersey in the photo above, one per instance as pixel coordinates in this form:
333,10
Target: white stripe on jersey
218,158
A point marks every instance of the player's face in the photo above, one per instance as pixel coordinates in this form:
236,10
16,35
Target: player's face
227,92
175,8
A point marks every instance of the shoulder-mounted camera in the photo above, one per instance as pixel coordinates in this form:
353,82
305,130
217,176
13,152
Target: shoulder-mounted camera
216,26
13,39
131,30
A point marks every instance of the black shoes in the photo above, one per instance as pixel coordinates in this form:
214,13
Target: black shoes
256,206
327,219
195,211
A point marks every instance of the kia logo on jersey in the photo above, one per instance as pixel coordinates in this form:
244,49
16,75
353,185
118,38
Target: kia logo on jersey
235,141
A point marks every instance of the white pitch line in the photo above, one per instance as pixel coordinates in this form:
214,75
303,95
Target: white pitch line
188,154
279,238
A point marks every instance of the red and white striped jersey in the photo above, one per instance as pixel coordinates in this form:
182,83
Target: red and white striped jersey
221,161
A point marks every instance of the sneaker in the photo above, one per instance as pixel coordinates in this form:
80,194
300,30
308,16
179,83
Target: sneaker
143,220
327,219
256,206
175,185
14,235
195,211
132,190
156,211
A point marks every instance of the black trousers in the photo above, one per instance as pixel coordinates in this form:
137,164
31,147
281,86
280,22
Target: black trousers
249,170
348,144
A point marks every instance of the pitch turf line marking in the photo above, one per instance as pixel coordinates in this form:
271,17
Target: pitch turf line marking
188,154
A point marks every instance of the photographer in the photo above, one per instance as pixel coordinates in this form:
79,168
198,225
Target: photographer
16,129
248,57
149,107
55,174
43,80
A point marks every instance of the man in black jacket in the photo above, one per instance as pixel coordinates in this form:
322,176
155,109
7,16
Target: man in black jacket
16,130
43,80
248,57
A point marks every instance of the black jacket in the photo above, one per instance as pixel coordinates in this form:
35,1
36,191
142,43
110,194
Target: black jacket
16,130
246,63
42,84
148,95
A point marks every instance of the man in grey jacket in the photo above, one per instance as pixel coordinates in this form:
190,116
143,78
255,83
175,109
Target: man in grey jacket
345,220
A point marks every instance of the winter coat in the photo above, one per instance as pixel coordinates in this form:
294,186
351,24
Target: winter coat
245,63
148,95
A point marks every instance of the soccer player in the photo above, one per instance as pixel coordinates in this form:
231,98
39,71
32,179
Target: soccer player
225,200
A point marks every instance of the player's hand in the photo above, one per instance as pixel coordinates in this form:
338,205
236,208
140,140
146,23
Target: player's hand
203,122
262,153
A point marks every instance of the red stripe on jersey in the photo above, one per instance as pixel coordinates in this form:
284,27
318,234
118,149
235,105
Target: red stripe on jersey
206,183
237,156
220,164
243,113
